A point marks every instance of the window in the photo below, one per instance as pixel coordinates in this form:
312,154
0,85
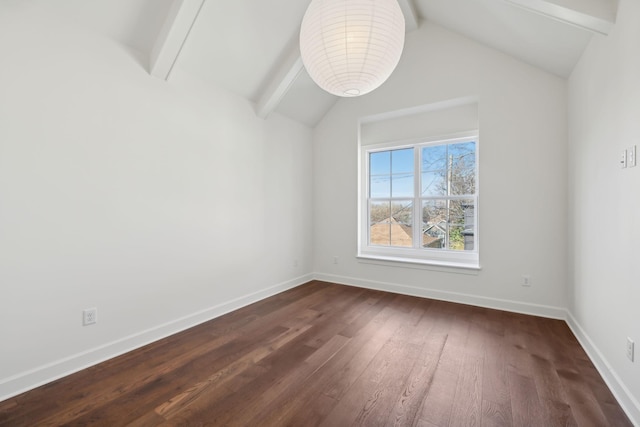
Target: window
419,202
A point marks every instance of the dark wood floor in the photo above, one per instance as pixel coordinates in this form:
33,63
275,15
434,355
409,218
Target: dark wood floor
324,354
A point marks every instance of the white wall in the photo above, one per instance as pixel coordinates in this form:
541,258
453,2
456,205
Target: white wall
604,204
161,204
522,116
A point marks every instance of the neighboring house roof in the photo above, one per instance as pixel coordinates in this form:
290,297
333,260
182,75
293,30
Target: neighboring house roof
401,234
436,229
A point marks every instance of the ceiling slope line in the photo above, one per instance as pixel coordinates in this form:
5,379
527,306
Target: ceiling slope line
598,18
280,83
172,37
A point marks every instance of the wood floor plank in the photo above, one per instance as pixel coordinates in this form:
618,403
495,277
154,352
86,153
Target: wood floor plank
331,376
454,349
525,403
288,380
198,397
341,313
495,414
605,398
421,376
185,380
551,392
437,405
584,406
104,385
496,395
369,398
223,409
149,419
361,359
328,354
467,403
284,375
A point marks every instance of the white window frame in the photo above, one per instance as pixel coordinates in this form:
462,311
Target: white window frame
417,255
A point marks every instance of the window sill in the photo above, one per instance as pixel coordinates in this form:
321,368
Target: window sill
422,264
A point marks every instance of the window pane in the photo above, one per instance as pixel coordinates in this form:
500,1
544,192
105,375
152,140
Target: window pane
434,157
462,225
434,223
402,212
402,185
379,212
463,168
448,224
401,222
380,186
434,183
380,163
402,160
379,223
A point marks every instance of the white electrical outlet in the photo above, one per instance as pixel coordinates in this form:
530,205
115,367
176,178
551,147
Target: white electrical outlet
623,159
630,348
89,316
526,280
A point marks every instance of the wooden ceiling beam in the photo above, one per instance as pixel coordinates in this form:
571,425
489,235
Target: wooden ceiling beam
411,18
278,85
597,16
172,37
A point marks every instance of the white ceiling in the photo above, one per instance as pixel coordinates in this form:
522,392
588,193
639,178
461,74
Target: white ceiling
250,46
536,39
134,23
238,43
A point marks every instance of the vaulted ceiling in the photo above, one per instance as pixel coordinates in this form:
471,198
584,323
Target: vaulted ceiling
250,47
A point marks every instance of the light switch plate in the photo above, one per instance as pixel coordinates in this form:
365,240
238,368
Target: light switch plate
631,156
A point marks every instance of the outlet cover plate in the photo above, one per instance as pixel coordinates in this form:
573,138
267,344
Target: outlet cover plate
89,316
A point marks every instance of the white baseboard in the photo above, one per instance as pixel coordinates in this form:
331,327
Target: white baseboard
480,301
622,394
41,375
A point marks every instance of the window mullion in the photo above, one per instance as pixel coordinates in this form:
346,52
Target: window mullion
417,209
449,160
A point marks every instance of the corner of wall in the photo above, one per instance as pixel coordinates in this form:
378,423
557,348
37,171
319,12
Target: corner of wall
622,394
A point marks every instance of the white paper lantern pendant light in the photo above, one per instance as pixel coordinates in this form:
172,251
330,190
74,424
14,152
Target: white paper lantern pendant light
350,47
